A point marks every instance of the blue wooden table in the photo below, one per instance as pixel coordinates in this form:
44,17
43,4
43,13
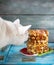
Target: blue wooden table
13,56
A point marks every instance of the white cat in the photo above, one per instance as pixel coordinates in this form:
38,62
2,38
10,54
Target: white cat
12,32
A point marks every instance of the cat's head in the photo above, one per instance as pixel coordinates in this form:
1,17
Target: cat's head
22,32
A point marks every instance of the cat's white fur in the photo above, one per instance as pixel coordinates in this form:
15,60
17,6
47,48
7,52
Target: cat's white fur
12,32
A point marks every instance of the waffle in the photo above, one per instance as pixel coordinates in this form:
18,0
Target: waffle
37,41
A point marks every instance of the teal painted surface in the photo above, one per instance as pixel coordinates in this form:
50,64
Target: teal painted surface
15,57
5,54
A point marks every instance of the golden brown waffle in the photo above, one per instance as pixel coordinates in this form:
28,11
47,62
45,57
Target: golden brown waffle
38,41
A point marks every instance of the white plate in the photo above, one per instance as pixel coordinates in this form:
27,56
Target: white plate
24,53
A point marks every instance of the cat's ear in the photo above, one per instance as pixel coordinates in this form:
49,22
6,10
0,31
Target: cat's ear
23,29
27,27
1,18
17,22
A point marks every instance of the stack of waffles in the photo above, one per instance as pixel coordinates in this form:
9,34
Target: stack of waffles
37,41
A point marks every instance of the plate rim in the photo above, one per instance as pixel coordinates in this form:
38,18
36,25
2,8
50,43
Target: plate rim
27,54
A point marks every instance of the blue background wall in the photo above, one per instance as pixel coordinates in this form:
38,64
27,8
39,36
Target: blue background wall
39,13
